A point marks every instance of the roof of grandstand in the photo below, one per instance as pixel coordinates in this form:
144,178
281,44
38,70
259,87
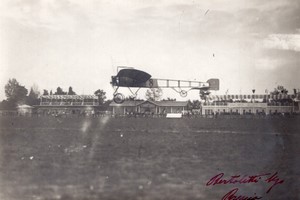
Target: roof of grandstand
250,96
69,97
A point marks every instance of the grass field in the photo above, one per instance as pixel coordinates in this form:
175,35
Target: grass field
50,158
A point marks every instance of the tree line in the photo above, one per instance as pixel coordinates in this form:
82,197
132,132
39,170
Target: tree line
59,91
17,94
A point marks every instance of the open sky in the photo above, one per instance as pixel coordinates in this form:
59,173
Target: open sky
246,44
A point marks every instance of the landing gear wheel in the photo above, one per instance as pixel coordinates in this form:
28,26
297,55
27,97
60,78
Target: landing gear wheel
119,98
183,93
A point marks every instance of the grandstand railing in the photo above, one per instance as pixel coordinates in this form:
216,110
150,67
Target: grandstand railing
215,104
268,104
77,103
45,103
68,103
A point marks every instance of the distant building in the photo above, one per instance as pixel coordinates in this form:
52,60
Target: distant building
24,110
148,107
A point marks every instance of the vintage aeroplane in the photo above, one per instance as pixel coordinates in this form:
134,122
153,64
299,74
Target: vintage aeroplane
133,78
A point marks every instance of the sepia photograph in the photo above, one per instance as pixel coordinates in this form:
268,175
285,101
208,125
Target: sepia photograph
149,100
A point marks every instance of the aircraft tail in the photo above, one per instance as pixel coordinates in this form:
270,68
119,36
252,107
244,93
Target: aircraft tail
214,84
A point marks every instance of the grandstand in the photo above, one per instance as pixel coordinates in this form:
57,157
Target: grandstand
67,104
265,104
267,97
213,104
